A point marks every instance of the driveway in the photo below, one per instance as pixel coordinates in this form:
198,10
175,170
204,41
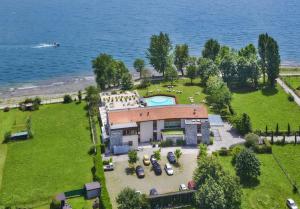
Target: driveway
225,136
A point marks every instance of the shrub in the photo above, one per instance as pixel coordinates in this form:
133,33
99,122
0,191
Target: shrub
291,98
102,148
55,204
251,140
7,136
67,99
6,109
235,152
242,123
211,141
180,143
224,151
37,100
166,143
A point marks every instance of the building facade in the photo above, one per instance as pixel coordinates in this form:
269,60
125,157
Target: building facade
127,128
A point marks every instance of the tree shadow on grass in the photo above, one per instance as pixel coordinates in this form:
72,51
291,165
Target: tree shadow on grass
250,183
269,91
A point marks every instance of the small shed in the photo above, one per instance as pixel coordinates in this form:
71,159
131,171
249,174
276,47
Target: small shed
92,190
19,135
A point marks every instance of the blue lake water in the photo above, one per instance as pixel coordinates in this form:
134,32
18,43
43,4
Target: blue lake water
123,28
160,100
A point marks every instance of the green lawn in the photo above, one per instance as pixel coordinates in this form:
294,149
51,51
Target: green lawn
267,107
184,85
289,157
54,161
293,81
273,189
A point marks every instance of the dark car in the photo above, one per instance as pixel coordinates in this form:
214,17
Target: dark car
156,168
153,191
171,157
140,171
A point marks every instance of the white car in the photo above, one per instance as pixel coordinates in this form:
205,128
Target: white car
169,170
290,203
182,187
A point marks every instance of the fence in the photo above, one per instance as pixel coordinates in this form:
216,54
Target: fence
172,199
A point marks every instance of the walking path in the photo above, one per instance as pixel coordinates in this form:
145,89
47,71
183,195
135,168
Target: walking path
288,90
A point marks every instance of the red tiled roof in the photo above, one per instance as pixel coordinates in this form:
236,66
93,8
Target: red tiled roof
157,113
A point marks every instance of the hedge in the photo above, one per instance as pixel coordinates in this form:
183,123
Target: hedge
99,176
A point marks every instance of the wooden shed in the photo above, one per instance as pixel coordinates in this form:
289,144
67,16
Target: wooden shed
92,190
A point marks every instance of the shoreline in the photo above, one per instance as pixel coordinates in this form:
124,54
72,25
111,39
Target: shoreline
56,88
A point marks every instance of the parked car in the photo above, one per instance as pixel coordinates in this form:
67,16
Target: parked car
157,168
191,185
290,203
140,171
169,170
171,157
109,167
146,160
152,159
182,187
153,191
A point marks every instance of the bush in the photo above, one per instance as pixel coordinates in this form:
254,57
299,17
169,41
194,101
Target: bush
7,136
224,151
166,143
102,148
251,140
37,100
55,204
211,141
67,99
291,98
235,152
180,143
6,109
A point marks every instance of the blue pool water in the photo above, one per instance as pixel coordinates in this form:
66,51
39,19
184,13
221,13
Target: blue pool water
123,28
160,101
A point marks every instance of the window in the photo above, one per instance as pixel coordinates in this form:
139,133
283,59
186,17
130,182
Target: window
132,131
130,143
172,123
155,125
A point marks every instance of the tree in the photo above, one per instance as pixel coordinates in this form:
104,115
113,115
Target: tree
289,129
191,72
211,179
178,154
277,129
132,157
206,69
93,98
251,140
139,65
210,195
156,154
243,124
211,49
79,96
269,57
247,166
228,67
171,74
127,82
248,52
129,199
218,93
181,57
100,66
67,99
145,82
159,51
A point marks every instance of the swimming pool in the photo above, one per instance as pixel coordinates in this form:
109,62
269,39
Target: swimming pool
160,100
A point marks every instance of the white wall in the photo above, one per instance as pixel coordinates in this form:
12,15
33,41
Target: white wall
182,123
133,138
146,131
160,126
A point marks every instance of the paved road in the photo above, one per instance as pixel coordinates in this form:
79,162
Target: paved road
288,90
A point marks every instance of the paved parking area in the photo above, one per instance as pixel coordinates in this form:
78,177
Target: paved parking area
118,179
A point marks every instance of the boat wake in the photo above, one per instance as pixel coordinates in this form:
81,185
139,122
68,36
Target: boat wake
45,45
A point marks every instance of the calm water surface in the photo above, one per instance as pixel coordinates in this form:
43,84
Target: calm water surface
84,28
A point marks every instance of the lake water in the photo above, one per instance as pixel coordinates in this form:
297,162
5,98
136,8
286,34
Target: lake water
122,28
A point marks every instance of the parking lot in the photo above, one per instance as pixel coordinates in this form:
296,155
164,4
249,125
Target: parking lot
120,178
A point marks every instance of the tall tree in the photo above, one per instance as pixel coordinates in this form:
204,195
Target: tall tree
132,157
159,51
228,67
171,74
181,57
269,57
248,51
139,65
100,66
191,72
126,81
211,49
206,68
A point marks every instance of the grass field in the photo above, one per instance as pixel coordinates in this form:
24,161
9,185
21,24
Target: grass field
293,81
289,157
267,107
273,189
188,90
54,161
